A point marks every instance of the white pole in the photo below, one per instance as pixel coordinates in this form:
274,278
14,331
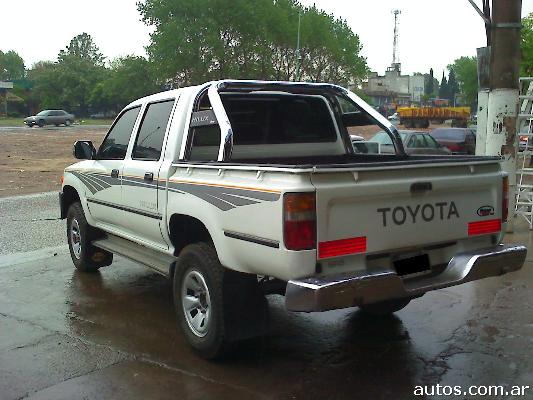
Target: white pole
481,134
501,137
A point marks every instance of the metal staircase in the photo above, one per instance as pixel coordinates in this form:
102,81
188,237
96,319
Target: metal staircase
524,129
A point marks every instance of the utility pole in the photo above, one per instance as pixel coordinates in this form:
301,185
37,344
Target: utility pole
503,85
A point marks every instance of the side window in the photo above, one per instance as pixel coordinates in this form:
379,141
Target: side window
431,143
149,141
420,142
116,142
204,134
411,142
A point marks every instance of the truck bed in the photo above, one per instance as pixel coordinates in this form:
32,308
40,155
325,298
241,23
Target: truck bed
357,161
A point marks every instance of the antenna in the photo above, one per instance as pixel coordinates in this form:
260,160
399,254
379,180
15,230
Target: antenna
395,58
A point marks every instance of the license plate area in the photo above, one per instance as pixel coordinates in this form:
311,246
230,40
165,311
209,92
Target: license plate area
411,265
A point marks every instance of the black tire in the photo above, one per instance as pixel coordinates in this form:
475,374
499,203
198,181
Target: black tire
86,257
68,122
232,307
40,123
56,124
385,307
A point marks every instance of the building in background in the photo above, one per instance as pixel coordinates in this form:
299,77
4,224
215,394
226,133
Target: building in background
394,89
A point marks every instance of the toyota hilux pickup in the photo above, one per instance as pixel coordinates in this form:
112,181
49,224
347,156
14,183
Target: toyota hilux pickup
237,189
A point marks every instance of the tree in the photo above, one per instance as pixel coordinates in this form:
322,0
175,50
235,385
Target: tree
249,40
526,66
443,90
115,91
429,87
82,47
11,66
465,70
68,82
453,87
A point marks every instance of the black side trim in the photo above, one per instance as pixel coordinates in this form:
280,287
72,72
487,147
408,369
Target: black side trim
252,239
127,209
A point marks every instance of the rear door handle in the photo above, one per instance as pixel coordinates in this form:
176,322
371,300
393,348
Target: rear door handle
149,176
114,173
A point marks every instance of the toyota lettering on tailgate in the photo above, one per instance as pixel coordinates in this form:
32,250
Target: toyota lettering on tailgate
421,212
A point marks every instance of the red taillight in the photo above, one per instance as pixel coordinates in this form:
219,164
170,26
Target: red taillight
342,247
484,227
505,198
299,221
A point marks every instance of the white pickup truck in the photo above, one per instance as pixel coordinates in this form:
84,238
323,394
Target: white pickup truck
237,189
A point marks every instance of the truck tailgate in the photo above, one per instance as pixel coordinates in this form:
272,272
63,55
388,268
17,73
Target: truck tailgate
377,211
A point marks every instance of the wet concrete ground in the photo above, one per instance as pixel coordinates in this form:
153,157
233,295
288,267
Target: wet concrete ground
67,335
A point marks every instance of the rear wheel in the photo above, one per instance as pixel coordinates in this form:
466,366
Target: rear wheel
68,122
385,307
80,234
215,306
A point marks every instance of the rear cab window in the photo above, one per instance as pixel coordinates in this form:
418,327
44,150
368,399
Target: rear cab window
149,141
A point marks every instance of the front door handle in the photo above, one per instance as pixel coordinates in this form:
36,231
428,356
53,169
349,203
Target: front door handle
149,176
114,173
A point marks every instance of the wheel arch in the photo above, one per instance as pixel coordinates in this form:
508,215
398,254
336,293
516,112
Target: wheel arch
69,196
184,230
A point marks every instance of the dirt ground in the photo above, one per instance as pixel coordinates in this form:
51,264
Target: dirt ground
32,159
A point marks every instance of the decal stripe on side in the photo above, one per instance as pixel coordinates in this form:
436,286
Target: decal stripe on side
127,209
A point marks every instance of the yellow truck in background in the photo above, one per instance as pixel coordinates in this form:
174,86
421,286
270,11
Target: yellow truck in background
420,117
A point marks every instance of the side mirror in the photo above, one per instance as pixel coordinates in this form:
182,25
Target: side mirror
84,150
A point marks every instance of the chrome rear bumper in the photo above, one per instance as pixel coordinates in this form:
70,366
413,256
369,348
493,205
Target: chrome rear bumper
354,289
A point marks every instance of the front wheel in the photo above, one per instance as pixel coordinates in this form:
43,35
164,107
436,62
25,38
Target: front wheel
385,307
40,123
80,234
215,306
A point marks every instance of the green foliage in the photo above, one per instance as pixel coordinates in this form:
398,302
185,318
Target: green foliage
464,74
526,66
127,79
430,84
11,66
249,40
82,47
443,89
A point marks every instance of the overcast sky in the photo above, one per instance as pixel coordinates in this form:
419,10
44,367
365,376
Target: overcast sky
431,33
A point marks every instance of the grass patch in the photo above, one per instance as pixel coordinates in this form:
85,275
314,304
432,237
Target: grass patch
11,121
94,121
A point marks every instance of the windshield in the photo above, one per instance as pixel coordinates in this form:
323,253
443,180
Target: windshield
383,138
45,112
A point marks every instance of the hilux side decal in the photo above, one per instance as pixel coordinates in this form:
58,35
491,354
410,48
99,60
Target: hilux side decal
223,197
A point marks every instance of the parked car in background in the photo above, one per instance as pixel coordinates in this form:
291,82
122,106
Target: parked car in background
394,119
50,117
414,142
361,145
457,140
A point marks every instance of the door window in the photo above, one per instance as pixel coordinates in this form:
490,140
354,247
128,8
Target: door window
420,142
149,141
431,143
116,142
